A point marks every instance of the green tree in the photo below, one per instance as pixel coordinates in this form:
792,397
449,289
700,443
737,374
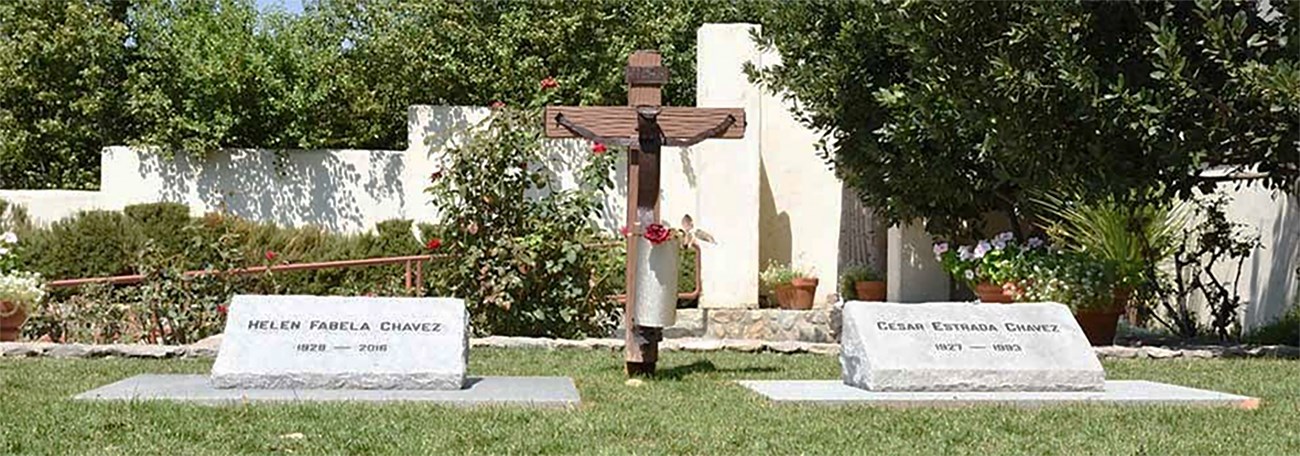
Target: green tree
948,110
61,63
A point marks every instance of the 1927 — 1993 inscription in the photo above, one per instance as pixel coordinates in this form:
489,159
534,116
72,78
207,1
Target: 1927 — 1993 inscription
295,342
966,347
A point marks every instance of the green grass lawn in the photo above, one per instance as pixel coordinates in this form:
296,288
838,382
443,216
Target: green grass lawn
693,408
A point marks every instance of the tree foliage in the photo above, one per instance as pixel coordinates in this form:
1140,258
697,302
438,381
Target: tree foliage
62,63
949,110
190,76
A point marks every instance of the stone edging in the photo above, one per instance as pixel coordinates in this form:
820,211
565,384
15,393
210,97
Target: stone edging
207,348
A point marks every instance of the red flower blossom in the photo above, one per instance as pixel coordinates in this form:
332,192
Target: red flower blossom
221,309
598,148
498,104
624,230
657,234
271,255
433,244
550,83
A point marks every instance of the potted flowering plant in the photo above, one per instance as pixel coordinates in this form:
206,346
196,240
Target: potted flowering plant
19,290
993,268
863,283
793,286
1088,285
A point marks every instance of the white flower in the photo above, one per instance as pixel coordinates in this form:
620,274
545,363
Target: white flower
21,287
964,253
982,249
1005,236
9,237
4,251
1035,242
970,275
999,244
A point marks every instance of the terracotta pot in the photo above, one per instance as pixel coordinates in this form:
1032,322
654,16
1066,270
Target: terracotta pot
12,318
797,295
870,291
1099,325
990,293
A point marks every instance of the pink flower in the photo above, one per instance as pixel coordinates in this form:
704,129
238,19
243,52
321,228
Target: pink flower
598,148
550,83
498,104
221,309
271,255
940,248
657,234
624,230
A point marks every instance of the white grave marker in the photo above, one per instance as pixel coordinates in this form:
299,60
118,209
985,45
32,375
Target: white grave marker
966,347
315,342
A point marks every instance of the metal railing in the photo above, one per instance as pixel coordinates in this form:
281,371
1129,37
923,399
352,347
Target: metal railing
414,273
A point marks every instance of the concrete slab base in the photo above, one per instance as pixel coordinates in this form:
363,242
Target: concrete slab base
522,391
1118,392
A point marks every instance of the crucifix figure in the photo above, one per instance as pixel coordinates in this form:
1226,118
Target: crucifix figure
644,127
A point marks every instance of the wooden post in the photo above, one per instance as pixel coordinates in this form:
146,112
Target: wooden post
642,345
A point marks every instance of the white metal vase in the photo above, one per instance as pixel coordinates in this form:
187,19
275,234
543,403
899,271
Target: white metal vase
656,283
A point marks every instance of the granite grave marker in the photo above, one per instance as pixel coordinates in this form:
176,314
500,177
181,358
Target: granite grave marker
331,342
966,347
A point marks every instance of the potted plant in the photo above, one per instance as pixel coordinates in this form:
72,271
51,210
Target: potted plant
995,268
19,290
863,283
1088,285
793,287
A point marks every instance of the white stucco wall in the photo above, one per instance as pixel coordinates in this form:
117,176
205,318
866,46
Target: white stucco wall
342,190
45,206
800,195
1268,277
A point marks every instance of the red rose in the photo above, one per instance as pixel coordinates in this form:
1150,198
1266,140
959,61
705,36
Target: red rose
657,234
433,244
497,104
271,255
550,83
598,148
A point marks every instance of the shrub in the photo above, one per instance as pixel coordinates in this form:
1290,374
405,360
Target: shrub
1284,331
89,244
522,264
166,224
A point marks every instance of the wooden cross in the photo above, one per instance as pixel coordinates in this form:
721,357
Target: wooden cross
644,126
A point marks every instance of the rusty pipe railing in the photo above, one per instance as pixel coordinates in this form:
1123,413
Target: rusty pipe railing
417,281
414,277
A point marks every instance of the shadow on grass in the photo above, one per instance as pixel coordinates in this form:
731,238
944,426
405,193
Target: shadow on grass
705,367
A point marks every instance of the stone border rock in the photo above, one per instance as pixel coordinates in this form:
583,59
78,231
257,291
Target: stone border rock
207,348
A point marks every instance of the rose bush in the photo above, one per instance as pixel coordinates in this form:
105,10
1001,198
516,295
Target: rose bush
521,241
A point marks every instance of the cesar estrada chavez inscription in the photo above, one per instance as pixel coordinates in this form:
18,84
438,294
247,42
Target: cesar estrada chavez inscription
964,346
